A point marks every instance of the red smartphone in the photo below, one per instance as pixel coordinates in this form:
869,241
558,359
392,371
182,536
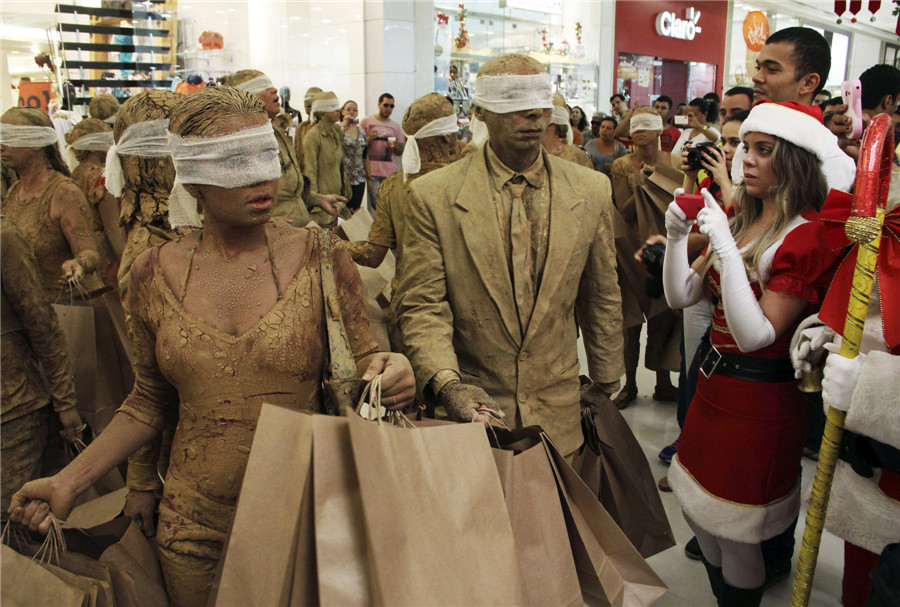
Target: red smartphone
690,204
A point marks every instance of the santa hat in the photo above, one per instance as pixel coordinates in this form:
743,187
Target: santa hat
794,122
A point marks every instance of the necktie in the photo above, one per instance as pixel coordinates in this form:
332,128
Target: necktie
522,262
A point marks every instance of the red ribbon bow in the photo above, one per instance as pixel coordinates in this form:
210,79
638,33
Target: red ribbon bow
834,309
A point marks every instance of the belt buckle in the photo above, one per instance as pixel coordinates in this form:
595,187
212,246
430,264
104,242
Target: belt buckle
710,362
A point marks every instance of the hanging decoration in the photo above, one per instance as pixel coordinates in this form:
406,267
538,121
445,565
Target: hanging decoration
855,7
545,39
578,31
443,18
462,38
564,48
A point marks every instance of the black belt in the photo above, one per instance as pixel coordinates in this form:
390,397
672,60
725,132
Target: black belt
751,368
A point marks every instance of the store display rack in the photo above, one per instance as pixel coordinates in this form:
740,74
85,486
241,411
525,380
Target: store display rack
91,53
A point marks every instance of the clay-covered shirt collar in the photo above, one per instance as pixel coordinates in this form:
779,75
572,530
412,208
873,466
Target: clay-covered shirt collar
500,173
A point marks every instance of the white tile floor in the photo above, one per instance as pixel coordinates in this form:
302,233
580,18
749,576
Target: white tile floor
655,426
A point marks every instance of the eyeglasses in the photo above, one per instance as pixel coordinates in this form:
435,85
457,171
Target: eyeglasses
388,104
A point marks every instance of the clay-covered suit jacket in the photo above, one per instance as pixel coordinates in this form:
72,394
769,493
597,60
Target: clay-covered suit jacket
456,309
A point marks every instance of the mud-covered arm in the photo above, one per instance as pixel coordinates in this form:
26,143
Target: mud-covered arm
153,400
69,208
599,303
382,236
353,309
424,315
310,162
22,289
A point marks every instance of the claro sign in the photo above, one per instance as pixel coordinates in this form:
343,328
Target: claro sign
670,26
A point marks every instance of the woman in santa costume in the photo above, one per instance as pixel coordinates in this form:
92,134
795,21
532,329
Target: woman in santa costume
736,471
864,508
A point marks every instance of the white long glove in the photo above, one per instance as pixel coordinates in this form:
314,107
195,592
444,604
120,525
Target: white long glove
682,286
840,377
749,326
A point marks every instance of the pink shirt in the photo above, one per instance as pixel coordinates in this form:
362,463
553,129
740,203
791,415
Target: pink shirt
381,159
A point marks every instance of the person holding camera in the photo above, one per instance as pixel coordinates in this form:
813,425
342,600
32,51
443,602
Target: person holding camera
638,219
735,473
696,130
715,160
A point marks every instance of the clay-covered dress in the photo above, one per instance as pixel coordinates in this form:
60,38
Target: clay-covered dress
216,383
48,241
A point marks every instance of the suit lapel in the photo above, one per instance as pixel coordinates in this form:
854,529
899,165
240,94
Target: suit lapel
563,231
481,232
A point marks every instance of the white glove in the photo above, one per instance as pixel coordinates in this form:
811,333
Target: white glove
678,226
682,286
840,377
713,223
749,326
808,352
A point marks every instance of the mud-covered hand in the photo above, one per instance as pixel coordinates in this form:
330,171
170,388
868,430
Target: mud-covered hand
72,272
807,350
72,426
141,506
678,226
31,505
463,401
713,224
398,383
840,377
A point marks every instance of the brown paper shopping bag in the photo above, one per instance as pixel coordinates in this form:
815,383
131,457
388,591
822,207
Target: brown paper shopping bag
538,525
133,564
27,584
97,574
613,465
436,520
340,534
609,567
257,566
77,324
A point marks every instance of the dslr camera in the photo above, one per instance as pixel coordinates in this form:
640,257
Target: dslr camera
696,152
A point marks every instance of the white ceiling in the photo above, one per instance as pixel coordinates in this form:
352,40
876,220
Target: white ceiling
22,21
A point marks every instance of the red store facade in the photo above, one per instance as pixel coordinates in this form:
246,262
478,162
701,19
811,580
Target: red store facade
672,48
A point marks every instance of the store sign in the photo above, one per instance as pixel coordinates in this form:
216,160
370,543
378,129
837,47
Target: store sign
35,95
756,30
670,26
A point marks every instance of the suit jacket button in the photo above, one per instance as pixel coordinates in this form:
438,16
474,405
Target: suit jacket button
523,356
522,398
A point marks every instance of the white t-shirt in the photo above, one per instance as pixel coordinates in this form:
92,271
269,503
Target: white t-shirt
686,138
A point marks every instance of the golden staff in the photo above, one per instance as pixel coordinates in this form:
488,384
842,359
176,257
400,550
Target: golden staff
864,229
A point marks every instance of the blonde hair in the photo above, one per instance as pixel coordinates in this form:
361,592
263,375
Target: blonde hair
34,117
800,185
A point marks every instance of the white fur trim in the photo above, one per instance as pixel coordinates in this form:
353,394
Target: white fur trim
875,404
792,125
859,512
731,520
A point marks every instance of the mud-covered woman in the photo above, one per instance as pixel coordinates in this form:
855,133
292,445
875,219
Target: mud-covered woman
47,207
224,319
36,373
296,200
89,141
140,173
323,156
